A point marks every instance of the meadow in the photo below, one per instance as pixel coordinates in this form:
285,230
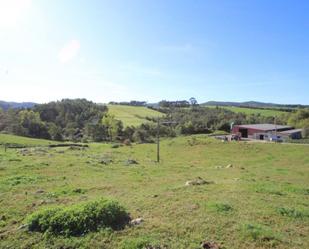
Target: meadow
132,115
256,195
263,112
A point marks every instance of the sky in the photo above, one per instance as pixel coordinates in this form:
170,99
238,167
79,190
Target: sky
152,50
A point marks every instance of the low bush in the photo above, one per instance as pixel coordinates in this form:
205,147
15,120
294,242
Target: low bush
79,219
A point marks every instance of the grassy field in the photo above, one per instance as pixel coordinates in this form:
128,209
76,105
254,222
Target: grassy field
263,112
23,141
133,115
260,201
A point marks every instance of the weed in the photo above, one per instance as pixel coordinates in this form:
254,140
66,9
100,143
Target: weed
139,243
223,207
258,233
291,212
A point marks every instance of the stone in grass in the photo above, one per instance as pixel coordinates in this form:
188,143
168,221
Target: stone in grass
105,161
198,181
130,162
229,166
136,221
209,245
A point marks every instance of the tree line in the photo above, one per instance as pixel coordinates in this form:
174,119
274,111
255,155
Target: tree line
83,120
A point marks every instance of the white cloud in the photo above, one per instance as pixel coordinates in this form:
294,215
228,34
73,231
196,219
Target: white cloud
69,51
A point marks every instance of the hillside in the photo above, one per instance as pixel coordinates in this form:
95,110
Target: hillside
133,115
254,104
24,141
263,112
15,105
259,201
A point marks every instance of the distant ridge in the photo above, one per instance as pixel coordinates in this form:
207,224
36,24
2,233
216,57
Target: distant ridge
253,104
16,105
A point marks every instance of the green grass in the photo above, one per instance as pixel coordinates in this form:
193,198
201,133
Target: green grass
133,115
261,202
25,141
263,112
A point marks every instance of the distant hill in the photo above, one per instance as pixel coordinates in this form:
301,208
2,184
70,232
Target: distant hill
253,104
15,105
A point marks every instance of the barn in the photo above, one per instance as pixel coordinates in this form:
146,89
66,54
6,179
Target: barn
260,131
291,134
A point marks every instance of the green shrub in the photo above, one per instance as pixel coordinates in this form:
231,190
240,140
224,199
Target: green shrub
79,219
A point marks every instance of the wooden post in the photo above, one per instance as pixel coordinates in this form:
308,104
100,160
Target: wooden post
158,141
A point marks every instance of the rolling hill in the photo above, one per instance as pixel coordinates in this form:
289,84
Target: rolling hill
246,110
15,105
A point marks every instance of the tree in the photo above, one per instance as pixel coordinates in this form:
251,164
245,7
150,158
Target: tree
114,127
34,127
96,132
193,101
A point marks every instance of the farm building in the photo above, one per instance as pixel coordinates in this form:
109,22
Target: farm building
266,131
291,134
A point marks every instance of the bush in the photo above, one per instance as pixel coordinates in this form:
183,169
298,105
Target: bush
79,219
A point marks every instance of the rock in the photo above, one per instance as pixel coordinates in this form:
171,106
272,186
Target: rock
131,161
210,245
40,191
198,181
136,221
22,226
229,166
105,161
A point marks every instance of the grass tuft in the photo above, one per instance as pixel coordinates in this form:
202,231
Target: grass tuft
259,233
291,212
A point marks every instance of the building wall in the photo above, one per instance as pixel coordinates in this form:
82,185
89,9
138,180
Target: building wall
251,132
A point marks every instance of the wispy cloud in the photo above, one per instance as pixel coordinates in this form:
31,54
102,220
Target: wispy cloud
69,51
183,48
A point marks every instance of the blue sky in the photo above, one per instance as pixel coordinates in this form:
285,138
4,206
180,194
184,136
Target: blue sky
153,50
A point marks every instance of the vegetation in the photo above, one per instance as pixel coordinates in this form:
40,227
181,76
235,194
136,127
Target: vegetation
80,120
241,209
256,111
79,219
